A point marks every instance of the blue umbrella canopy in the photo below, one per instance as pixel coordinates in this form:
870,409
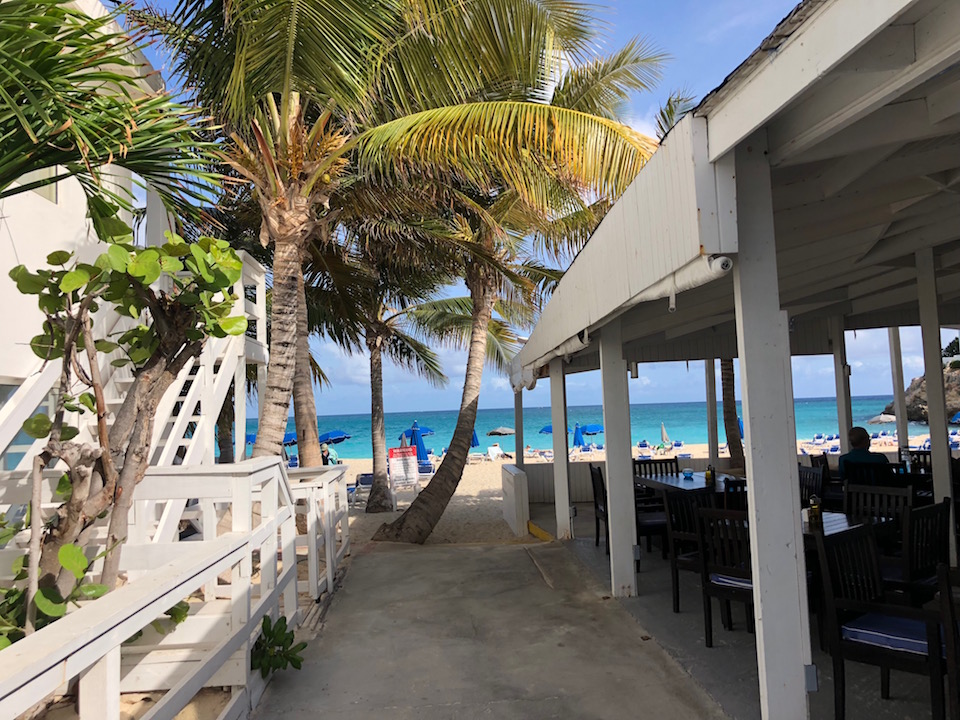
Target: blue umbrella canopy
954,419
475,441
424,431
578,436
290,438
548,430
251,438
592,429
740,423
416,439
334,436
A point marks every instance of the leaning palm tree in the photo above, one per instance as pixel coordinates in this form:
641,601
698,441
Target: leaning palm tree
320,93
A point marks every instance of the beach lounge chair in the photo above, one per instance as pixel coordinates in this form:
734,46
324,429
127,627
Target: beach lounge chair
834,449
495,452
684,456
678,443
360,488
644,455
643,444
547,455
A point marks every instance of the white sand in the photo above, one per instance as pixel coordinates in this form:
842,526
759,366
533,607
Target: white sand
474,515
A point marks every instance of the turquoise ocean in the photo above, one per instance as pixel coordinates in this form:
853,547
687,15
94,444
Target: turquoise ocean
683,421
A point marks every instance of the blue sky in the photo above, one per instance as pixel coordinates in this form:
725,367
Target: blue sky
706,41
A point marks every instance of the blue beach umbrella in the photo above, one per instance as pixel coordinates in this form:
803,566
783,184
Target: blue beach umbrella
251,438
592,429
578,436
290,438
955,418
334,436
416,439
548,430
408,433
740,422
475,441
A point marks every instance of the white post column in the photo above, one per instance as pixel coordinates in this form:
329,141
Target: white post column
240,411
899,392
619,474
518,427
558,416
713,434
776,542
933,373
841,374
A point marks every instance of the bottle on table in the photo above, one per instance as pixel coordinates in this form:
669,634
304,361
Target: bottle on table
710,476
815,513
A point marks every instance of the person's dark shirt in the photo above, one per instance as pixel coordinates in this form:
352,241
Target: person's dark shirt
861,455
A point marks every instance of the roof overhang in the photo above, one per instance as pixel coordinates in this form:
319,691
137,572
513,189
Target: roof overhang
860,102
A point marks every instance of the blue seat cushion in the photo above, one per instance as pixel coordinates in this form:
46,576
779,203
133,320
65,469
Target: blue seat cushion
885,631
730,581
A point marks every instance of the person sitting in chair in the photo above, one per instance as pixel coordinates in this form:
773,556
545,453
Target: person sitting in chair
860,450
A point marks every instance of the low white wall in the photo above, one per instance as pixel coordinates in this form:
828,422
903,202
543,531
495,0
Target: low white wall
516,499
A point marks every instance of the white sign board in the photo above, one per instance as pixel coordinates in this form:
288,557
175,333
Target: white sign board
404,471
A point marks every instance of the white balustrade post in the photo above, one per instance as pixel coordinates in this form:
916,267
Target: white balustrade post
208,525
269,506
621,513
99,692
841,374
206,430
240,409
561,483
899,392
240,574
329,533
713,432
933,374
776,542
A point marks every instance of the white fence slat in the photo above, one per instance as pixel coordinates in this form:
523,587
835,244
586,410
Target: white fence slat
99,696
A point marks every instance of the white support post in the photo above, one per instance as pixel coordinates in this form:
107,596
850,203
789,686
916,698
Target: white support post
899,392
841,374
329,534
776,541
240,575
206,430
713,433
558,415
240,411
933,374
518,427
99,696
621,520
269,507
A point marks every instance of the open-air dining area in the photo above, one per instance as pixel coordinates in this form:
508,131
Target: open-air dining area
811,194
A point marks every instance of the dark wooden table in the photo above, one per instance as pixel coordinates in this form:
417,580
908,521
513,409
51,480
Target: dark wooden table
678,482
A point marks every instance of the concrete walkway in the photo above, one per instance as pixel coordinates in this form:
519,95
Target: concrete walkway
501,631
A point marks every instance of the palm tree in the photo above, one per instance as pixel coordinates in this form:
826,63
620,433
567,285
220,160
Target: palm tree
74,102
357,88
731,423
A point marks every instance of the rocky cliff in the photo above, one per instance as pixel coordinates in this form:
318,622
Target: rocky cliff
917,396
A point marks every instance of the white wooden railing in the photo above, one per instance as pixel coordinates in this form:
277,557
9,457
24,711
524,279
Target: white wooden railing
241,566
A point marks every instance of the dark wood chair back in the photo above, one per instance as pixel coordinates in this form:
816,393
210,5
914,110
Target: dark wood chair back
821,461
871,474
811,483
681,509
876,502
651,467
947,582
850,565
926,540
724,543
920,460
599,492
735,494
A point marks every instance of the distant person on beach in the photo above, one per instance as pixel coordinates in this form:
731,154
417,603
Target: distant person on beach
860,450
330,456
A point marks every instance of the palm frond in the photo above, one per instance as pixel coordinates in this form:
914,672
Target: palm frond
677,105
603,86
410,353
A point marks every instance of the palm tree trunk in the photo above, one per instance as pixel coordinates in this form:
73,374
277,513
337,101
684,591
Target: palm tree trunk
731,425
379,500
304,404
419,520
275,397
225,428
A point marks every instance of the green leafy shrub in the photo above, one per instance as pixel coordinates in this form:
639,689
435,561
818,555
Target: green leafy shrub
274,649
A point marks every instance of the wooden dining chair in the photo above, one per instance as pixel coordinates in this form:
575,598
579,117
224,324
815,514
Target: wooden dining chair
725,571
926,544
683,539
651,467
599,506
862,626
811,483
921,461
735,494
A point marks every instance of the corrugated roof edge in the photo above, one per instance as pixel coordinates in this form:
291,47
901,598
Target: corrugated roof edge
781,33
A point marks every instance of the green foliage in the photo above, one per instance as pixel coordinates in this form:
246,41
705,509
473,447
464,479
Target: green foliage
952,348
50,604
954,364
274,649
201,276
174,616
